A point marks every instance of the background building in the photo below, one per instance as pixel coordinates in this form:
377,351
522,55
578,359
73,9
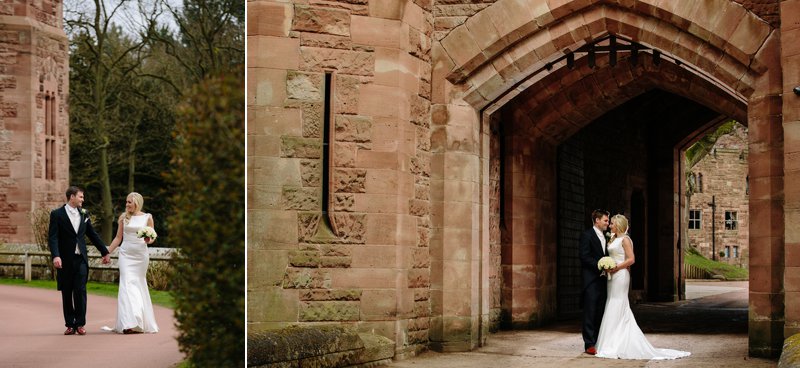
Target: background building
34,122
721,177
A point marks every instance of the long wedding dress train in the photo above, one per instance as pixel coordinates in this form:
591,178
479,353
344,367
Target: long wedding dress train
620,337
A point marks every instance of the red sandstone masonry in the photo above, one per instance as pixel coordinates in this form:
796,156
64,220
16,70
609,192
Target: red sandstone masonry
399,135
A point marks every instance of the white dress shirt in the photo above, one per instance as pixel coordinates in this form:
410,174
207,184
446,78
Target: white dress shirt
75,218
601,237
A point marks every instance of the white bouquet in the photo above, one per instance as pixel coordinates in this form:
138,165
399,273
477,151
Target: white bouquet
147,232
604,264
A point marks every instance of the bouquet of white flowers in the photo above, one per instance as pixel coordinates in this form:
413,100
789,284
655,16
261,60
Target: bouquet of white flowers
147,232
606,263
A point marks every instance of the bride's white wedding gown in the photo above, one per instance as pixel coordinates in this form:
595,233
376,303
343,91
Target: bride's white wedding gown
134,308
620,336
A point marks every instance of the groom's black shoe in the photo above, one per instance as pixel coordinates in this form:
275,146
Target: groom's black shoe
591,350
69,331
81,330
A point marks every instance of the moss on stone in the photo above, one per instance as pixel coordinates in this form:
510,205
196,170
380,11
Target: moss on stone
317,346
791,352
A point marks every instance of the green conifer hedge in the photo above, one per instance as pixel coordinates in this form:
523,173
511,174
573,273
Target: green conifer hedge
207,195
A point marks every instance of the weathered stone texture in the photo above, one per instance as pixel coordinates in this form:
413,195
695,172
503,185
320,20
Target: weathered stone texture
345,154
325,295
306,278
311,173
419,207
346,62
350,227
304,86
421,164
329,311
336,250
304,258
306,199
321,20
346,94
343,202
335,262
419,278
350,128
307,225
300,147
349,180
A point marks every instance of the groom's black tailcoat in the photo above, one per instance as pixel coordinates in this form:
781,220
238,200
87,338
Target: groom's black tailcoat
594,286
71,278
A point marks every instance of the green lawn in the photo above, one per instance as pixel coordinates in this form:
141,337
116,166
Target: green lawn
715,268
162,298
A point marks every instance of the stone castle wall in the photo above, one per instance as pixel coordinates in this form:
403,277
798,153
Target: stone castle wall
34,78
366,261
408,247
724,173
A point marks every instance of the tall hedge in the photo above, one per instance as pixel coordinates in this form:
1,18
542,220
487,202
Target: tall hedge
207,227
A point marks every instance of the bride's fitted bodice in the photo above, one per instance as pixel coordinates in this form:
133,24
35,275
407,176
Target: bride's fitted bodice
133,226
615,250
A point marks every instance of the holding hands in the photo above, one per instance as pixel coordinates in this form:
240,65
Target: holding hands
57,260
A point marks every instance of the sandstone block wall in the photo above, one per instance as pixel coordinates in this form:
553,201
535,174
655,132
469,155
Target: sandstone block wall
408,248
366,261
34,87
724,172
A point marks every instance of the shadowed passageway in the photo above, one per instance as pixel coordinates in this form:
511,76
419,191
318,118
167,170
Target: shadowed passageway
712,325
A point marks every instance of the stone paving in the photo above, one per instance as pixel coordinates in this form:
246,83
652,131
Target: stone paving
712,325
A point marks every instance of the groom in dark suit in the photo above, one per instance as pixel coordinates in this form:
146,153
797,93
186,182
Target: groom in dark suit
592,247
69,227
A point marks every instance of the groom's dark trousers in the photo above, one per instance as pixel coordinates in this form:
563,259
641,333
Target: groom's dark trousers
74,272
594,286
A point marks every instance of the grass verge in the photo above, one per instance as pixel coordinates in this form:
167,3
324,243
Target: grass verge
730,272
162,298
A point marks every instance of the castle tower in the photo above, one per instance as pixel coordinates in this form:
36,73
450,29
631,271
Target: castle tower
34,121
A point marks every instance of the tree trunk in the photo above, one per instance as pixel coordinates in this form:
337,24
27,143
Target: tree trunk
107,215
132,158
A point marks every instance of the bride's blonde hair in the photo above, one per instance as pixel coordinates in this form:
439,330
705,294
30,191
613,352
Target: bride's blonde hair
138,201
621,222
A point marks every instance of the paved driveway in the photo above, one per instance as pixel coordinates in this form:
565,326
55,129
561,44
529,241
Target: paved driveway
32,327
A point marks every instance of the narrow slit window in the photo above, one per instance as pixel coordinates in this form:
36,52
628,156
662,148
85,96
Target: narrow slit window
327,148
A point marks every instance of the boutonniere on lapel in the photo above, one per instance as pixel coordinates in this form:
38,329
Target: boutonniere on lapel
84,213
608,236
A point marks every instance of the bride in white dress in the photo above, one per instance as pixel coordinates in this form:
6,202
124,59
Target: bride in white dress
620,337
134,308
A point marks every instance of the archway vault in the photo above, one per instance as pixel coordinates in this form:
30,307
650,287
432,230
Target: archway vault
500,47
497,61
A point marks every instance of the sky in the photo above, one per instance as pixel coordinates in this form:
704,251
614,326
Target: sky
129,17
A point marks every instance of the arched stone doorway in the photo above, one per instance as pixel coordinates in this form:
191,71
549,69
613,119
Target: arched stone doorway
497,73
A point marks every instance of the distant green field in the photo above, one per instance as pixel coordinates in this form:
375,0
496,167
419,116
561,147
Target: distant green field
715,268
162,298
